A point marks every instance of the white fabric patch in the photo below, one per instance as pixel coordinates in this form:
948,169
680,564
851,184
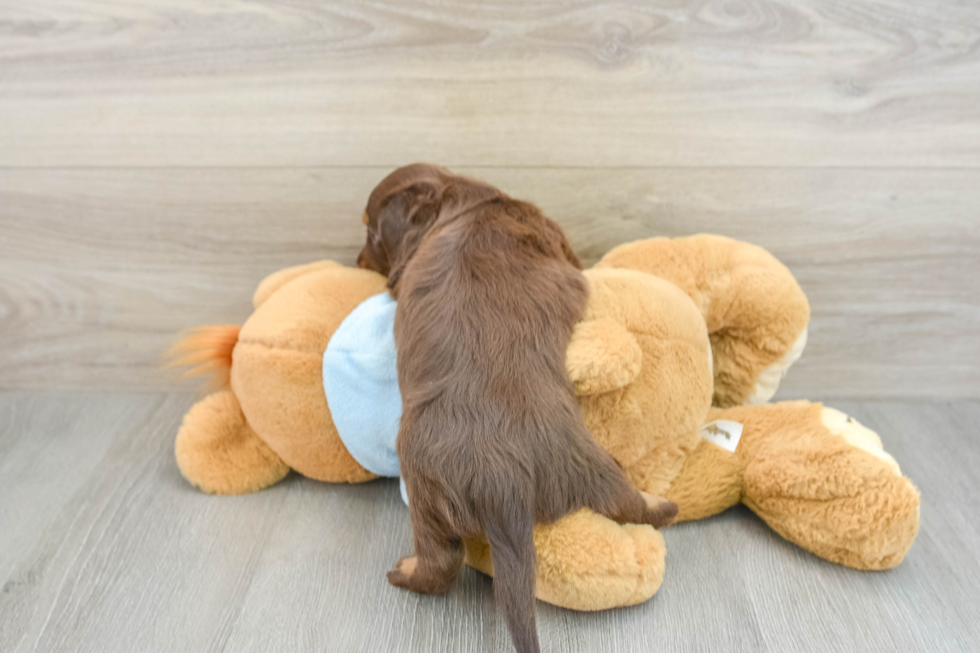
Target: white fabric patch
723,432
768,382
856,435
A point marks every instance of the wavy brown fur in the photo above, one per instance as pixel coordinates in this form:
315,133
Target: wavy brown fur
491,437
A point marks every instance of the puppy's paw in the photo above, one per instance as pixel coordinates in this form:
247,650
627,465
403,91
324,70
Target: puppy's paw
401,575
660,512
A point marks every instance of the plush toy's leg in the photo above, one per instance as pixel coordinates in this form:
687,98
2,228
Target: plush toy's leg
709,483
755,310
588,562
219,452
822,480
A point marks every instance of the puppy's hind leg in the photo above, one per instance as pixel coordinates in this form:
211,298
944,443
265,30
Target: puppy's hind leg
437,560
660,512
610,494
625,504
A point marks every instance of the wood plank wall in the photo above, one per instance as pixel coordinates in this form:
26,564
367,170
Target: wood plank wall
158,158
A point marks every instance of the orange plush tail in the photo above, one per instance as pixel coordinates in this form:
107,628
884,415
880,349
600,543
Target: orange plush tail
206,350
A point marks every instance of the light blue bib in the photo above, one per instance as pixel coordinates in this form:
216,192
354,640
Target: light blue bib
360,379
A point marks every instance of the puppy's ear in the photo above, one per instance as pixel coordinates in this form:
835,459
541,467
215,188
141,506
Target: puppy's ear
561,240
403,222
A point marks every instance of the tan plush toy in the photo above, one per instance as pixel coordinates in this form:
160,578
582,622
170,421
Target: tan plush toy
678,335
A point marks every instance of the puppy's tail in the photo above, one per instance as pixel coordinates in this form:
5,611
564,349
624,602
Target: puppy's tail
508,522
205,350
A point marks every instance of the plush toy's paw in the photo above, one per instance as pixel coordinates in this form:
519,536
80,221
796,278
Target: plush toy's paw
769,379
856,435
661,512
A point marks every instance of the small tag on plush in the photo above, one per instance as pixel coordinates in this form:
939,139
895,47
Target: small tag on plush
723,432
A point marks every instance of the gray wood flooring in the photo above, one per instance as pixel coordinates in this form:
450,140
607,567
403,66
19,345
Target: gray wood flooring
104,548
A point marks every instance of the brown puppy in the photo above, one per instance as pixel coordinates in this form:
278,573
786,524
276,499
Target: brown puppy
491,438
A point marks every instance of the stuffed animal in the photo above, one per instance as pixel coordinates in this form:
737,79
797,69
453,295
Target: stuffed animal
678,336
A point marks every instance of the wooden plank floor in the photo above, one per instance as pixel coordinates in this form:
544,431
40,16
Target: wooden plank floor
104,548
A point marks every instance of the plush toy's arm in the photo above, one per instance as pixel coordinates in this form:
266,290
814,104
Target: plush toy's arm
218,451
602,356
277,280
755,310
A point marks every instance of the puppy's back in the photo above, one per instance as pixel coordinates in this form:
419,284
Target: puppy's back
486,309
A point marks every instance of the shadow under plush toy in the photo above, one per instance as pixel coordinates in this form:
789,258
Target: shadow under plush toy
678,334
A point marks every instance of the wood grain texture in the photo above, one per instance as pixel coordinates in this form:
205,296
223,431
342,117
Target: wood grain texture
106,549
100,268
547,83
157,159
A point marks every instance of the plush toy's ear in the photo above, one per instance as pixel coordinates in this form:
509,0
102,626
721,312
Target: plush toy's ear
277,280
602,356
